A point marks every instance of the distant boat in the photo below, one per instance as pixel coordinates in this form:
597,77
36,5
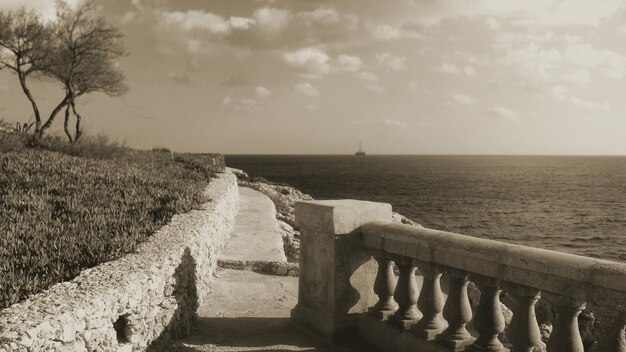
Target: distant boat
360,152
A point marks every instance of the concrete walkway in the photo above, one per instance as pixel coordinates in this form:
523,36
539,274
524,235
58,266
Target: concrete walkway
256,236
249,311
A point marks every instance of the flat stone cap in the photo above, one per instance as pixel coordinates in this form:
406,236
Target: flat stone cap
339,216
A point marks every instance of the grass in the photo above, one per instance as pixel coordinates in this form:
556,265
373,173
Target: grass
67,208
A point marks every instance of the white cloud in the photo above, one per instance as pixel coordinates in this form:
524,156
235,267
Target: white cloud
392,123
307,89
312,59
452,69
243,105
545,13
391,61
586,56
470,71
589,104
324,16
46,8
449,68
533,63
376,88
128,17
179,77
387,32
576,63
195,19
461,99
368,76
262,92
271,20
561,93
349,63
506,113
492,23
248,102
200,20
241,22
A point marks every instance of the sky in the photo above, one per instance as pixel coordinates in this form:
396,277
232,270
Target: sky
318,76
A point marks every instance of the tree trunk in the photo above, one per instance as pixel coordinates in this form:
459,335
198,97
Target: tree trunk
66,125
53,114
78,132
29,95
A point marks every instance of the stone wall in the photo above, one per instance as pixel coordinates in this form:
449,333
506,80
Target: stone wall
139,302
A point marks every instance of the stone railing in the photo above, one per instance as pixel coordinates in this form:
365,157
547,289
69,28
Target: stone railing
348,283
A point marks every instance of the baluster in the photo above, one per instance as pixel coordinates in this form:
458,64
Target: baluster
523,331
384,287
406,295
489,320
457,311
565,336
430,303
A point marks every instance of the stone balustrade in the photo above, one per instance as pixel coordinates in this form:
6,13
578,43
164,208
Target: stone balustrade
348,283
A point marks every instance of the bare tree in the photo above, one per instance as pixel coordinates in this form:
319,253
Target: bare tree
25,49
79,50
84,58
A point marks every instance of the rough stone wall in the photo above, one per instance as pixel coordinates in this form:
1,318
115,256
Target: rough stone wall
139,302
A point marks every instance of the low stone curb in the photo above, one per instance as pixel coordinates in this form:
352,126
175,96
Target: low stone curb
274,268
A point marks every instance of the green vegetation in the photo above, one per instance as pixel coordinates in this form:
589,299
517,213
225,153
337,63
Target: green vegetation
67,207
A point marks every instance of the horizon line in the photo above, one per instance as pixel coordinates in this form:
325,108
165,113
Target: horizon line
431,154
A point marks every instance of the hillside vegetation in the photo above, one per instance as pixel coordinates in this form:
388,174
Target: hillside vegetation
65,208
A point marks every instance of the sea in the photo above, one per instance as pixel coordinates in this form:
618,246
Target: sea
574,204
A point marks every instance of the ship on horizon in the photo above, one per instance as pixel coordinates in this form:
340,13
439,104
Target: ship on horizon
360,152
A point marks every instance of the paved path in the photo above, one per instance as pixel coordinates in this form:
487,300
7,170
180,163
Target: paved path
256,236
249,311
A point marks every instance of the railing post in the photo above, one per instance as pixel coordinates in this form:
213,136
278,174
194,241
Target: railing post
523,331
457,311
489,320
430,303
336,272
565,335
384,287
405,294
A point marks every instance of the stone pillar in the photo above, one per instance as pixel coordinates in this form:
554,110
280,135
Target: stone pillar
523,331
457,311
384,287
430,303
489,320
336,272
405,294
565,336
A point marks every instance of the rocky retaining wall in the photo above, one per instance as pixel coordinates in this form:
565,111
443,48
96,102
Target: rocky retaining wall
140,302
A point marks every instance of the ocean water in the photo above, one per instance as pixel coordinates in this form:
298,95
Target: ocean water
567,203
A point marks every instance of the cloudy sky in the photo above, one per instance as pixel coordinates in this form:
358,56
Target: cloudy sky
405,77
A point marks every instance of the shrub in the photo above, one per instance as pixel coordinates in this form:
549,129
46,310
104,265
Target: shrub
62,214
161,149
12,142
92,147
